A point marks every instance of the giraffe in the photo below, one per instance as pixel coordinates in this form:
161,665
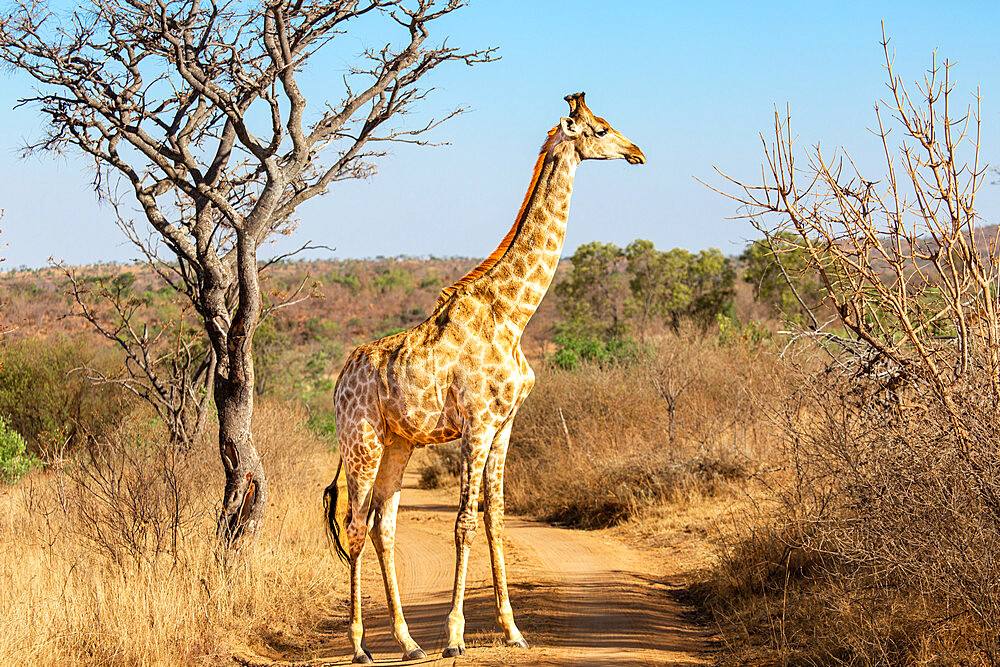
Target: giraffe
459,374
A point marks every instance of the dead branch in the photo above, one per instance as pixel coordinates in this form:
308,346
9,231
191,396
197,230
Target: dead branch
903,260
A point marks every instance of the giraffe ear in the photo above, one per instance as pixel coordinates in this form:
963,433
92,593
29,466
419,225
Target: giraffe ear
569,126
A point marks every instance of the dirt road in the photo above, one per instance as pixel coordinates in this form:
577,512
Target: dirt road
579,597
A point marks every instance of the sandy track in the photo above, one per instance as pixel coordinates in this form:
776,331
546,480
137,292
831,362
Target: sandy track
579,597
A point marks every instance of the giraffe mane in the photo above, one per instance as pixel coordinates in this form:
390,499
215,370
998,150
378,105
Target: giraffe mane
507,240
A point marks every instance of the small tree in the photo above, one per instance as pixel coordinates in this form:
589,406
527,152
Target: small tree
711,278
593,296
168,364
195,110
658,283
611,289
675,285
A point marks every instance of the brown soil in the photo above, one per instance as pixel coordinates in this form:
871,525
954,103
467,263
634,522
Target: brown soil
579,597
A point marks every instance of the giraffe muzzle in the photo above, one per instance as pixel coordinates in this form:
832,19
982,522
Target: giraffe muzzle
635,156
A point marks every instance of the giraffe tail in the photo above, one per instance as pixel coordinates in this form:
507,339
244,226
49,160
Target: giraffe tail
330,509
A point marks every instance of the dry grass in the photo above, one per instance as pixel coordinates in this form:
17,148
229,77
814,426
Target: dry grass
876,545
593,447
441,467
146,588
776,603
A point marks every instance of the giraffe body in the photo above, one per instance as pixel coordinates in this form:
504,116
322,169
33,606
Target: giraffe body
459,374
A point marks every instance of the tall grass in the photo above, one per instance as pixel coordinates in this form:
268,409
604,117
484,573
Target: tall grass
878,542
596,445
111,559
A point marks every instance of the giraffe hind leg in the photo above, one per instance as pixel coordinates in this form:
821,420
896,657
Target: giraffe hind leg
361,449
475,448
385,503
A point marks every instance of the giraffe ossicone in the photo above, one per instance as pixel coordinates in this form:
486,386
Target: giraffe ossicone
459,374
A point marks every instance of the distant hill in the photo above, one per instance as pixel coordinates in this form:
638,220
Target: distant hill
350,301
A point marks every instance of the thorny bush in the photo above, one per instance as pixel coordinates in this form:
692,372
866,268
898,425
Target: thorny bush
892,443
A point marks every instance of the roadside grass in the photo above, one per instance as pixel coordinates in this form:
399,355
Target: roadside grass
876,543
595,446
109,559
773,602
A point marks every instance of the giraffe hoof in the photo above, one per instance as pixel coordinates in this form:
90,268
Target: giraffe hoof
363,658
453,652
518,643
415,654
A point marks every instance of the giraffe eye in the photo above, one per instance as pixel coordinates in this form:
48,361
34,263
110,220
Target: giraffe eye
601,132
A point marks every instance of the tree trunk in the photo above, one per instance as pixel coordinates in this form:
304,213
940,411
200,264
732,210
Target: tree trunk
671,414
245,496
245,499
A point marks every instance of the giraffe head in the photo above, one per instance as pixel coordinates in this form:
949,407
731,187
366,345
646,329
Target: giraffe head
593,137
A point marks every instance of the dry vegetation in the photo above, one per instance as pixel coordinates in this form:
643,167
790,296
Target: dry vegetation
877,545
110,559
608,446
874,547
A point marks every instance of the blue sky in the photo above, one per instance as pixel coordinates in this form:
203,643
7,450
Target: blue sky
693,84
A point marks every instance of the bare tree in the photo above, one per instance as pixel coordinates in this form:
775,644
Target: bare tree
673,370
911,274
168,365
194,108
893,441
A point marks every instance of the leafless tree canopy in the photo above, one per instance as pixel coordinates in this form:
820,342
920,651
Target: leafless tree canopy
194,108
904,260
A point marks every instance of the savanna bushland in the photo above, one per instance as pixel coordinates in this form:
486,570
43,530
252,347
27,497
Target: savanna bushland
806,431
100,497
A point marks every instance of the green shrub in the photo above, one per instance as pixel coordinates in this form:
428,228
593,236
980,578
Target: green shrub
431,281
315,328
348,280
15,462
572,349
732,331
325,426
319,364
393,278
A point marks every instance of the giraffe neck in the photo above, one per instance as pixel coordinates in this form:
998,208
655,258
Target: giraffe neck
518,280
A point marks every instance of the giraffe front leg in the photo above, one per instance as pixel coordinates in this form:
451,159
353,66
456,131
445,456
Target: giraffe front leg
475,448
386,499
494,520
